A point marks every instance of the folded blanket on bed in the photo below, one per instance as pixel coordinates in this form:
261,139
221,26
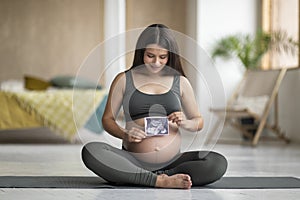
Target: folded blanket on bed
63,111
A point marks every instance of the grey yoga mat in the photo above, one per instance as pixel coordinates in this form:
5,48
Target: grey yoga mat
96,182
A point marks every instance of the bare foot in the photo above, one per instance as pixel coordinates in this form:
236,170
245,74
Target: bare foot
176,181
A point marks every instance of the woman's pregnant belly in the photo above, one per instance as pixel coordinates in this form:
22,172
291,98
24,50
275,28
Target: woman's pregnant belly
155,149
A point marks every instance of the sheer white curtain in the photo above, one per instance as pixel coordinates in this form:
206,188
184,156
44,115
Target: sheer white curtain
114,40
281,15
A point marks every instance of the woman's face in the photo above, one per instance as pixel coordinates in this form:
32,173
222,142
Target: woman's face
155,58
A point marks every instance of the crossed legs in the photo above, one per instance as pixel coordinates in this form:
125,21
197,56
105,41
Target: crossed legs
120,167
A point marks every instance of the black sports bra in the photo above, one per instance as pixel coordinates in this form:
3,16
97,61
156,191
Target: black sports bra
137,104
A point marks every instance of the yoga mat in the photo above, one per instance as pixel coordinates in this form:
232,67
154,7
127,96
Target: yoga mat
96,182
256,183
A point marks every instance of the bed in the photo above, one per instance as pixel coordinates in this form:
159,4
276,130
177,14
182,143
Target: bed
63,110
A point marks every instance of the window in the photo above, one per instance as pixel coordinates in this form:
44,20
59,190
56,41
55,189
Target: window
281,15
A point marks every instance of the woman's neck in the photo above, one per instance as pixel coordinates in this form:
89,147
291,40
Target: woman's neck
145,72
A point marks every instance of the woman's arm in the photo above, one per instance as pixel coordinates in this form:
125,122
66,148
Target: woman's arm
191,119
112,108
113,105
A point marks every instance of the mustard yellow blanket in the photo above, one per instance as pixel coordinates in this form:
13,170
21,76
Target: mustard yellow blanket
12,116
63,111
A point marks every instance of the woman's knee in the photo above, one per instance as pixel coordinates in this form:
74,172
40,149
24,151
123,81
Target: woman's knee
91,149
218,163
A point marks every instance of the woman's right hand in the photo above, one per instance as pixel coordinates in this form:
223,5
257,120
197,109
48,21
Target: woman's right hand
134,135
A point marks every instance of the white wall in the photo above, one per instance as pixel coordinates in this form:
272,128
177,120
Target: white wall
289,108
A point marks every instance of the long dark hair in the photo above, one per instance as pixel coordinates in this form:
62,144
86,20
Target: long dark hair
161,35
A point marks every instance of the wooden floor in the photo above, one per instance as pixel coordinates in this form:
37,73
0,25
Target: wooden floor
267,159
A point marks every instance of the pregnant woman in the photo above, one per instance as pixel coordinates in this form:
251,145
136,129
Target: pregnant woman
155,85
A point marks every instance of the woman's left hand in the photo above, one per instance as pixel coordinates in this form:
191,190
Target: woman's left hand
178,118
193,124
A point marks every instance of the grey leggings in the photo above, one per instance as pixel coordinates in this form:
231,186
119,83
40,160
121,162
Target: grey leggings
120,167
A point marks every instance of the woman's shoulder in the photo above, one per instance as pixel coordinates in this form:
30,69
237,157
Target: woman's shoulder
121,75
184,83
184,80
119,79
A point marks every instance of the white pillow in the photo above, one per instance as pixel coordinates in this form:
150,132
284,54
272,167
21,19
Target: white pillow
253,104
12,85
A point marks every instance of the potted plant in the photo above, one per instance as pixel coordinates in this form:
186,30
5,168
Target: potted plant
249,49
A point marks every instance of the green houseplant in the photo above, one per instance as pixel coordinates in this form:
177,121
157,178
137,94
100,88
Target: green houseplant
249,49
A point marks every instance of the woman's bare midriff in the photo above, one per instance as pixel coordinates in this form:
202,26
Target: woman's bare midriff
154,149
